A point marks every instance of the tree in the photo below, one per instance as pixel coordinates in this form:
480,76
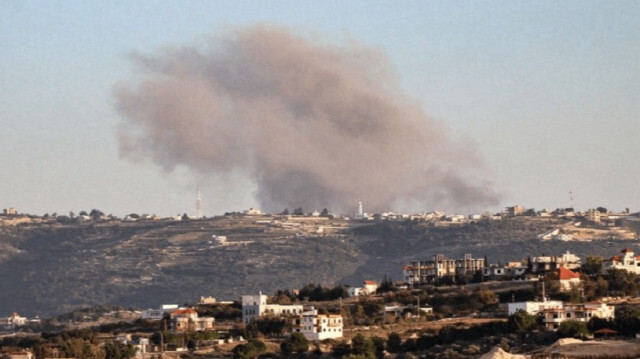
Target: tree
271,325
394,343
593,265
296,343
486,296
573,329
118,350
96,214
252,349
362,346
522,321
285,212
386,286
298,212
324,213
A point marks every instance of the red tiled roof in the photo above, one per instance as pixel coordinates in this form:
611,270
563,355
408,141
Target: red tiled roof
566,274
615,258
183,311
369,282
626,250
563,273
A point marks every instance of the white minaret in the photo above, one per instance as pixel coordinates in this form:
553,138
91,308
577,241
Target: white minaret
360,213
198,203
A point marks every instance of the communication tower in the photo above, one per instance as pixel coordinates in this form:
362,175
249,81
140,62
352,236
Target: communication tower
571,199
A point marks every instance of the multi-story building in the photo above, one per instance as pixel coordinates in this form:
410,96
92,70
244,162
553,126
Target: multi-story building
553,317
187,319
533,307
511,270
11,211
255,306
514,211
555,312
627,260
550,263
316,326
420,272
157,314
594,216
14,320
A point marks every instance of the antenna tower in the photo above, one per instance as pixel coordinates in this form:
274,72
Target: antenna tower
198,203
570,198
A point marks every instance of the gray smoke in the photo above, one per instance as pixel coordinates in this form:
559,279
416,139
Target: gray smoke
314,125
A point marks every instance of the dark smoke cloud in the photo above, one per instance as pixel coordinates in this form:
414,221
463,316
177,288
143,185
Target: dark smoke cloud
314,125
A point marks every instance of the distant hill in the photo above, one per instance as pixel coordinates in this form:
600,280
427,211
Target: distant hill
50,268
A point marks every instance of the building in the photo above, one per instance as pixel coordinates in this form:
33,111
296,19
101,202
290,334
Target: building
593,215
554,317
319,327
187,319
550,263
369,287
421,272
255,307
627,260
514,211
14,320
25,354
207,300
511,270
533,307
10,211
360,212
157,314
566,279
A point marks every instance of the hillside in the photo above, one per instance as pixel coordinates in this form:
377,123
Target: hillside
49,268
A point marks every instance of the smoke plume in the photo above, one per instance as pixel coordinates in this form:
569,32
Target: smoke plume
314,125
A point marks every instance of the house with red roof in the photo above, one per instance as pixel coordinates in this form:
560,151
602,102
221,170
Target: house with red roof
566,278
626,260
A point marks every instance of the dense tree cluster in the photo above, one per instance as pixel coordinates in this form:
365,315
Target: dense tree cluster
316,292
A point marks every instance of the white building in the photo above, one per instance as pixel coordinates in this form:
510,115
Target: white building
14,320
10,211
157,314
188,319
316,326
627,260
553,317
549,263
255,307
512,269
207,300
533,307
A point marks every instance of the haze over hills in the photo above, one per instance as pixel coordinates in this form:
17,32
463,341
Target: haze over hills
49,267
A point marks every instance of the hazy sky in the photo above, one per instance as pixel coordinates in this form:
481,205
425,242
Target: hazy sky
546,92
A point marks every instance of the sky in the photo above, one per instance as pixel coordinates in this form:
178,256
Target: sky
547,93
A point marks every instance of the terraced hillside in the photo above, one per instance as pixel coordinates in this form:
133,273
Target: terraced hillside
48,268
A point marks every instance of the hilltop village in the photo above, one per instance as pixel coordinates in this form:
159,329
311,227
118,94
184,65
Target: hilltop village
447,305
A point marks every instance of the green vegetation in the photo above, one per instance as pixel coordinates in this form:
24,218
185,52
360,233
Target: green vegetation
252,349
296,343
